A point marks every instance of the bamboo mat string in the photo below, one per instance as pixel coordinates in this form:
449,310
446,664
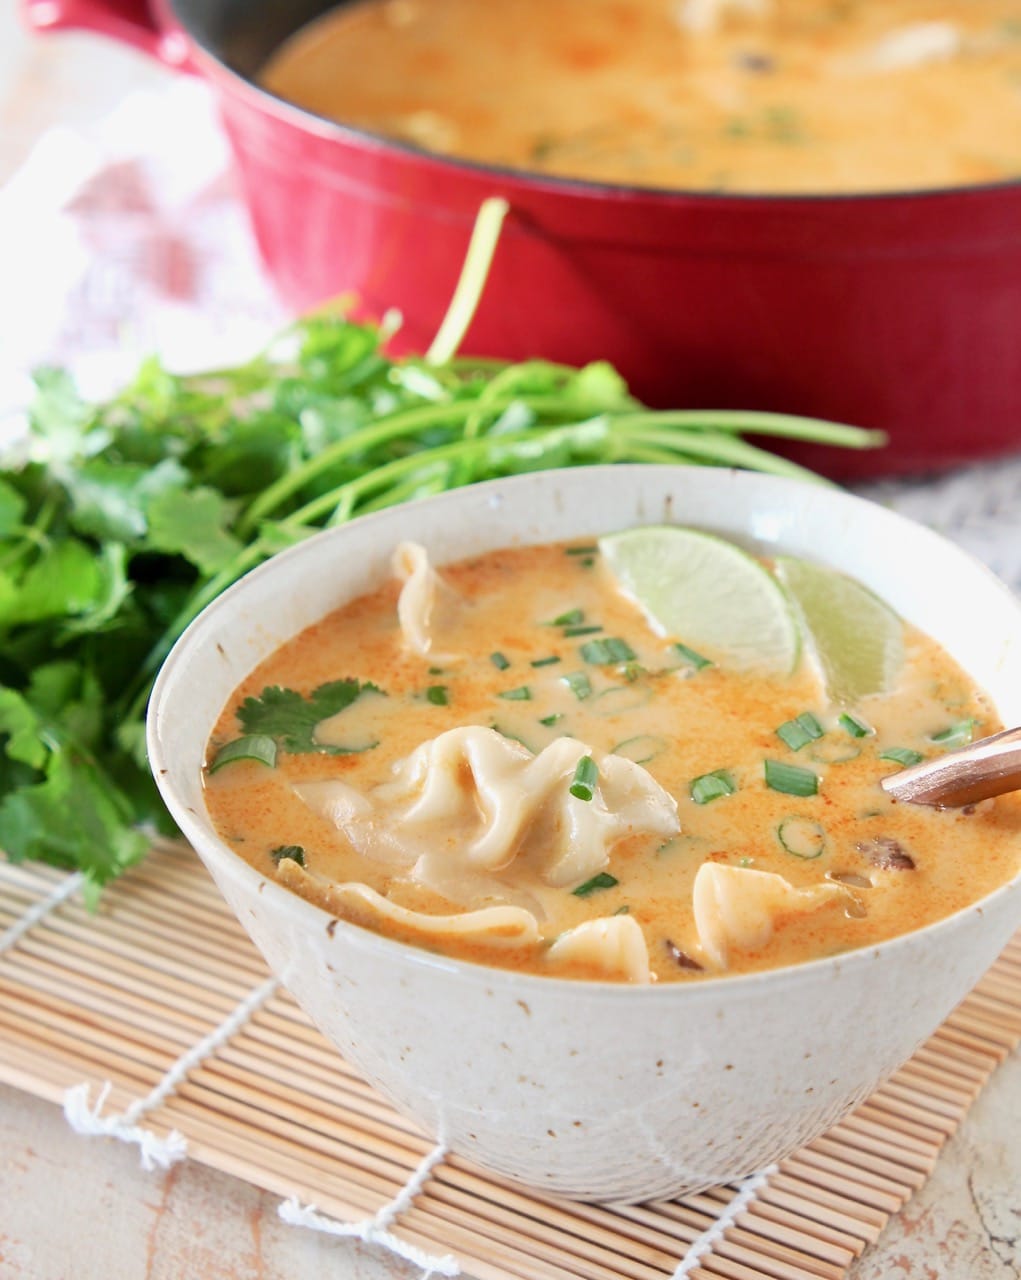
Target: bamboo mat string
156,1151
704,1244
40,911
374,1230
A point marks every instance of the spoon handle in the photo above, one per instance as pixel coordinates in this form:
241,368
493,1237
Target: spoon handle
986,768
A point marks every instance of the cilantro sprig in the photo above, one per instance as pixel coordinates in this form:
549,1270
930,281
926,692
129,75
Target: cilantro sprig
120,520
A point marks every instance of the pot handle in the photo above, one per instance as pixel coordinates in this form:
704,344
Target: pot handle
132,22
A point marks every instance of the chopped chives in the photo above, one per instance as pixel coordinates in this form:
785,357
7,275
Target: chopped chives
579,684
521,694
800,731
589,550
801,837
854,725
499,661
791,779
586,775
436,671
437,695
548,721
692,658
252,746
607,651
711,786
568,619
622,911
958,734
293,851
601,881
640,749
588,630
546,662
906,756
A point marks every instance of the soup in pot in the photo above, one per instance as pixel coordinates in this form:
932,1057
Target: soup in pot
763,96
511,760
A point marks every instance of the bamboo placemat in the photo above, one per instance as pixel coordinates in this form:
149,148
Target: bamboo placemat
163,998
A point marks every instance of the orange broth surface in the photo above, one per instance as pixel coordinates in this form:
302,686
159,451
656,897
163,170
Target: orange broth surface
687,723
766,97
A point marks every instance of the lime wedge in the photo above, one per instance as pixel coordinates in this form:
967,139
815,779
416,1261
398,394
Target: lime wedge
707,593
857,638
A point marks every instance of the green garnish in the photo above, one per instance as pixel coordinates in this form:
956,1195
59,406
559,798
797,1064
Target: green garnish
579,684
551,661
854,725
589,550
548,721
586,775
291,718
640,749
568,619
437,695
601,881
499,661
520,694
711,786
292,851
622,911
589,630
801,837
956,735
692,658
253,746
906,756
791,779
800,731
136,512
607,651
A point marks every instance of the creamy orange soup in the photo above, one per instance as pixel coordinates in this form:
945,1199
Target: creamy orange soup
709,95
540,648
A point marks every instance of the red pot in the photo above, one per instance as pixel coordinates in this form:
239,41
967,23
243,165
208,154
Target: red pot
898,311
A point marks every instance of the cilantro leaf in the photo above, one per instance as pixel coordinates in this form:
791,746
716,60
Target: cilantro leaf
12,509
195,525
291,718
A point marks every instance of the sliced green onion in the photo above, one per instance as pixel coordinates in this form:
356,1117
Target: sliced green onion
499,661
605,652
800,731
579,684
582,631
546,662
906,756
791,779
437,695
834,751
622,911
854,725
293,851
586,775
956,735
802,837
711,786
548,721
253,746
601,881
521,694
620,699
568,619
582,551
640,749
692,658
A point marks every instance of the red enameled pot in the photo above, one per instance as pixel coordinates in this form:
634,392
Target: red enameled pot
898,311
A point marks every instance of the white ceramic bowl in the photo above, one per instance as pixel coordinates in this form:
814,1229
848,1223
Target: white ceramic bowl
597,1090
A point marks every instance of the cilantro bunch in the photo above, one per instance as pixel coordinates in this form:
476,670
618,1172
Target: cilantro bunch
120,520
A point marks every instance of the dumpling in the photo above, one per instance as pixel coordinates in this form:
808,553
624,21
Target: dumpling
738,906
426,604
614,946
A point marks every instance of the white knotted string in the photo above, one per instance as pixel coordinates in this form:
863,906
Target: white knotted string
40,911
711,1237
374,1230
162,1152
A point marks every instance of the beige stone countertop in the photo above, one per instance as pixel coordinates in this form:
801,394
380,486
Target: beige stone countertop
74,1208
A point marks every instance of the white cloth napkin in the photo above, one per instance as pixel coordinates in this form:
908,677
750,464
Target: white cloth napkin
129,237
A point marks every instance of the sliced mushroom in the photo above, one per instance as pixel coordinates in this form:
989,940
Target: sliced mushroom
887,854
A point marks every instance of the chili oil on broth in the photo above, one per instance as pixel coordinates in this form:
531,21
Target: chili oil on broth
695,721
788,96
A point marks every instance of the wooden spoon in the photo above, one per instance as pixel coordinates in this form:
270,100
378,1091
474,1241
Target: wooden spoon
986,768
